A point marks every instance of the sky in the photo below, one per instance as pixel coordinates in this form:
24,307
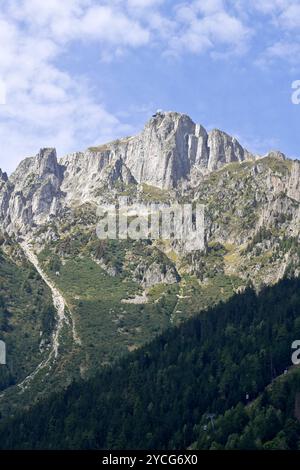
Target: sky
77,73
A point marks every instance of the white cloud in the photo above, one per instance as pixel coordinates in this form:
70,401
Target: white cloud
283,18
281,50
276,29
144,3
83,20
206,25
290,17
270,6
209,6
112,27
45,105
284,14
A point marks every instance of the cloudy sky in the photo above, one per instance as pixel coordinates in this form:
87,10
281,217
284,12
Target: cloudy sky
81,72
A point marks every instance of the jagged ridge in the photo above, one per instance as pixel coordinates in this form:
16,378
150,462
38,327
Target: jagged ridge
171,152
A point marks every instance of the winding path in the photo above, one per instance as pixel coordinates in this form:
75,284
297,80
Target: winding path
60,306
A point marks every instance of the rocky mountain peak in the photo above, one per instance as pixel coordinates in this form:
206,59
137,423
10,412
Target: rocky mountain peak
3,177
276,154
169,121
171,152
223,149
32,193
47,163
172,148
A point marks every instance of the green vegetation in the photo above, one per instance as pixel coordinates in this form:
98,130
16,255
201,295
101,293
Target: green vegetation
267,423
154,194
107,147
108,327
159,396
277,165
26,318
106,283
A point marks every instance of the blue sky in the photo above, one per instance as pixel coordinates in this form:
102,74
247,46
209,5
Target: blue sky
81,72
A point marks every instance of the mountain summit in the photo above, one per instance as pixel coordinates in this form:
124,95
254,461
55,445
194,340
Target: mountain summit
72,303
171,153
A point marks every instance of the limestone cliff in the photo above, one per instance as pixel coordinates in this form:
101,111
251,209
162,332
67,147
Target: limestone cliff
172,153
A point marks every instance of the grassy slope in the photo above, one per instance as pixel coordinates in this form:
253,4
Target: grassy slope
108,328
28,302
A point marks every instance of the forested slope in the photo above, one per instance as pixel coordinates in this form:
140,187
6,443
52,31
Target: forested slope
26,316
267,423
157,396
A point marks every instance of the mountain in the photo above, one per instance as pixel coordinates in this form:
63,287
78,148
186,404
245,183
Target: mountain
110,297
171,150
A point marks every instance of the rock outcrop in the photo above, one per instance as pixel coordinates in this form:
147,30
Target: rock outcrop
171,152
155,273
32,194
294,181
3,178
276,154
223,149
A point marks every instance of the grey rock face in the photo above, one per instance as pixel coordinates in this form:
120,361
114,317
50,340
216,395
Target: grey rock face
223,149
170,151
32,193
149,276
276,154
294,181
46,163
3,178
172,146
160,155
3,182
86,173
